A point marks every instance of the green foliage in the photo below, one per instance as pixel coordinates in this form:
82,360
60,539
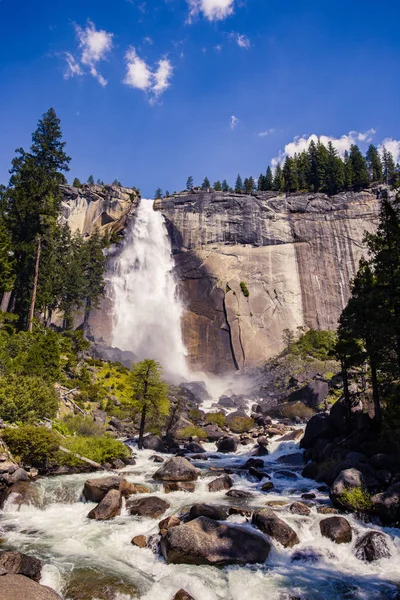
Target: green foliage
158,194
241,424
90,180
81,426
298,409
191,431
189,183
26,398
195,415
100,449
34,446
7,261
316,344
217,418
206,184
245,290
239,188
356,499
76,183
218,186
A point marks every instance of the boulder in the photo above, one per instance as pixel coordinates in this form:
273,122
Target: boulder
220,484
318,426
327,510
313,394
307,555
218,513
198,389
195,448
129,489
260,450
214,433
387,504
292,436
258,463
22,493
16,476
85,583
94,490
336,529
18,587
310,471
267,487
167,523
260,475
16,563
151,507
179,486
239,494
299,508
346,480
140,541
382,461
108,508
155,443
182,595
157,459
372,546
207,542
270,524
177,469
227,445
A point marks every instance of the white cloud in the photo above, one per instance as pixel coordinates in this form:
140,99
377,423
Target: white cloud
341,144
213,10
95,46
266,132
392,146
218,48
242,41
148,40
233,122
140,76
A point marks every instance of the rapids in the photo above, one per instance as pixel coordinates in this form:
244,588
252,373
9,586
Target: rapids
58,532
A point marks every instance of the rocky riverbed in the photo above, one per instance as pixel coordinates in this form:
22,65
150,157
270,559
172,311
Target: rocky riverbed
249,528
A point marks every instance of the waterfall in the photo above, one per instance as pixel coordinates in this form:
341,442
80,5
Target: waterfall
146,309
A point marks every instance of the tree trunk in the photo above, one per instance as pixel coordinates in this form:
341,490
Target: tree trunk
88,307
346,395
35,283
142,426
375,393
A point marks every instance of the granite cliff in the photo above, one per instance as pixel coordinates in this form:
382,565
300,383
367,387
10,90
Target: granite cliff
296,256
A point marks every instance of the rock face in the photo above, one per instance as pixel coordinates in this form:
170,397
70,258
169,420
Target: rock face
16,563
207,542
296,255
18,587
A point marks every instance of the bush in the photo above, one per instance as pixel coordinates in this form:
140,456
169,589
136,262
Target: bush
297,409
100,449
191,431
33,446
241,424
245,289
195,415
216,418
315,344
26,398
356,499
82,426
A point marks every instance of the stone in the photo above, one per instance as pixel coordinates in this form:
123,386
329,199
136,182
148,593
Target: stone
18,587
307,555
23,493
167,523
260,475
227,445
382,461
292,436
313,394
225,482
16,563
270,524
15,476
94,490
208,542
346,480
214,433
195,448
258,463
108,508
310,471
260,450
155,443
276,503
218,513
267,487
327,510
151,507
318,426
177,469
182,595
239,494
336,529
179,486
140,541
387,504
299,508
91,584
308,496
129,489
372,546
158,459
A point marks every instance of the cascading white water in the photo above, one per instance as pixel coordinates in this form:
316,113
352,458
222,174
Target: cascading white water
146,310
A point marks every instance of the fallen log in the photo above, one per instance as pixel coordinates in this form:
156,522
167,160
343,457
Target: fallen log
83,458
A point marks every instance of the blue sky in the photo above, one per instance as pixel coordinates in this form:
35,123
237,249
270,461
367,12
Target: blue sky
157,90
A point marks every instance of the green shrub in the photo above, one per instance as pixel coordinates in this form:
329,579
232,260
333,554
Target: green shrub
356,499
100,449
33,446
191,431
82,426
241,424
298,409
195,415
26,398
316,344
245,289
216,418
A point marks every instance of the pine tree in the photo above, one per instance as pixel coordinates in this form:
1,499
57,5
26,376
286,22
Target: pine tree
90,180
7,262
116,183
289,173
225,186
359,169
348,171
303,170
76,183
374,164
218,186
314,170
189,183
167,194
93,264
334,181
248,185
389,168
261,183
206,184
278,179
158,195
239,185
269,180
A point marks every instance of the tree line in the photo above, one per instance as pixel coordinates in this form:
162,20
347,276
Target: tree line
44,266
320,168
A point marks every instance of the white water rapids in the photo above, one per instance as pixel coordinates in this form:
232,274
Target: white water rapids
59,532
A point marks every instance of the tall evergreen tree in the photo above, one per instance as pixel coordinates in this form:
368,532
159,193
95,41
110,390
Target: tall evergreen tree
249,185
239,185
359,169
189,183
225,186
206,184
158,194
269,180
277,185
348,171
218,186
374,164
261,183
76,183
289,173
90,180
334,172
389,168
7,263
93,263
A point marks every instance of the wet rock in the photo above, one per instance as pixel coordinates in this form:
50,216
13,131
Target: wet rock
129,489
227,445
327,510
221,483
108,508
218,513
16,563
90,584
239,494
336,529
292,436
310,471
308,496
267,487
15,476
270,524
276,503
286,474
372,546
296,458
94,490
140,541
319,425
195,447
151,507
177,469
167,523
155,443
299,508
307,555
238,510
387,504
199,457
157,459
258,463
260,475
346,480
182,595
23,493
18,587
214,433
260,450
207,542
179,486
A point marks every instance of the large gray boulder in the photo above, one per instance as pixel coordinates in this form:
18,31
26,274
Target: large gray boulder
155,443
207,542
269,523
225,482
16,563
336,529
18,587
95,490
318,426
108,508
218,513
347,480
151,507
227,444
372,546
313,394
195,447
387,504
177,469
